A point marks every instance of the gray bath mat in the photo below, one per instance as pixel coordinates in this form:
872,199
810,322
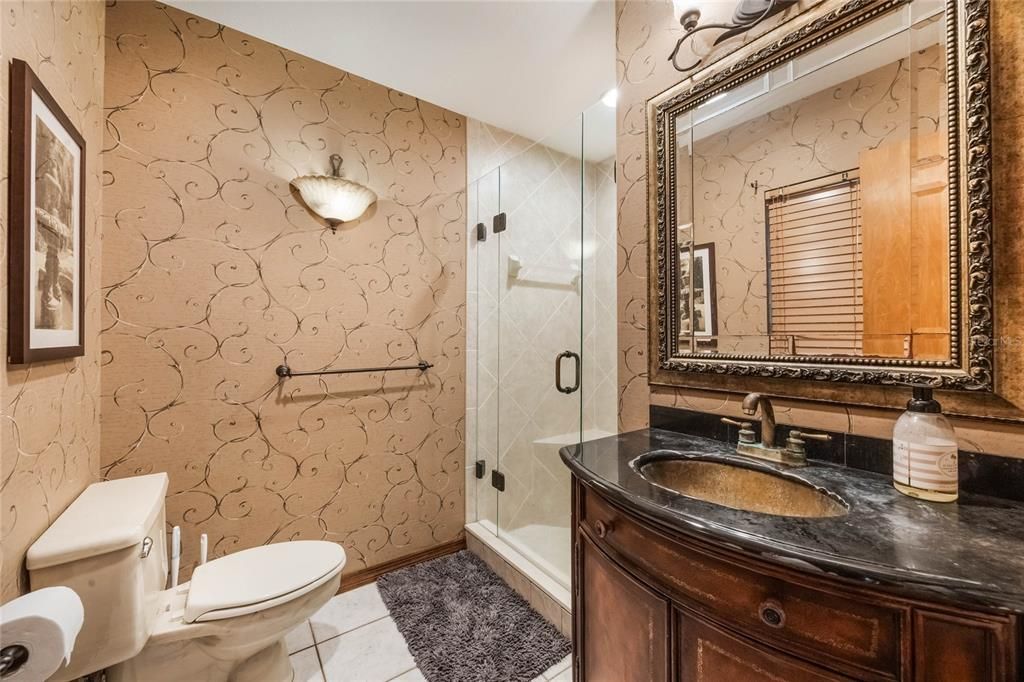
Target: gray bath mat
464,624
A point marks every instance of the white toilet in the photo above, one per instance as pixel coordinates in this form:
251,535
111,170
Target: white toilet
227,623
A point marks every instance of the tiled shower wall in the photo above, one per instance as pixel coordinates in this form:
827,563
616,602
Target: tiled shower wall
487,148
646,32
521,325
600,379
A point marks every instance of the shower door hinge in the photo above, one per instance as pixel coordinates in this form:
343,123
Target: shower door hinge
499,224
481,232
498,480
479,468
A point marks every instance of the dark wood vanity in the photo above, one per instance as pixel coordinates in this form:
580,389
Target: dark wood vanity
668,587
653,604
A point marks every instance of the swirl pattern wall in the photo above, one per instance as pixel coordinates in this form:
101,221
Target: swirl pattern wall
49,411
217,273
645,33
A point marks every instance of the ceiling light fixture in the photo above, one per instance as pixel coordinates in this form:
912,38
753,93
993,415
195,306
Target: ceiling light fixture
332,197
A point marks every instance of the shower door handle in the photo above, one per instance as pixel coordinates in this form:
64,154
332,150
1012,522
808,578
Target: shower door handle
558,371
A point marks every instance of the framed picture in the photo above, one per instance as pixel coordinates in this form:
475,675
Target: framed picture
699,308
705,301
46,270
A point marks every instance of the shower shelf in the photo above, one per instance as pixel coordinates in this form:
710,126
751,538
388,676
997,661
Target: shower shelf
284,371
542,275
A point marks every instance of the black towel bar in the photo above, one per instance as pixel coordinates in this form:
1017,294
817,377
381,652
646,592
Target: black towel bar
284,371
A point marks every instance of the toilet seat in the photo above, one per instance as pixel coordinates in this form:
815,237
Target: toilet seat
256,579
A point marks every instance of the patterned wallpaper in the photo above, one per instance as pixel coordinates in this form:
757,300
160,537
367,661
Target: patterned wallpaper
216,273
49,411
646,31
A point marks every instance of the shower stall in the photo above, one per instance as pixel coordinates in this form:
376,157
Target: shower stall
542,361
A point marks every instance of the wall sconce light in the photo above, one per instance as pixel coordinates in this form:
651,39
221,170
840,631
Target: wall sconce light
747,15
332,197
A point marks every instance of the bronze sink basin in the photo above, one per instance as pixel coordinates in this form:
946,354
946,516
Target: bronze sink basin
738,487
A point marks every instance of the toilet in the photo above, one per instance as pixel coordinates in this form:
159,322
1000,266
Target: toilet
227,623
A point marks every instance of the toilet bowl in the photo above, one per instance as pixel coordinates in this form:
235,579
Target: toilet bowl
229,620
227,623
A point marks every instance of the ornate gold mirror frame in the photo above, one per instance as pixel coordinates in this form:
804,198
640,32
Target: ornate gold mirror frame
970,365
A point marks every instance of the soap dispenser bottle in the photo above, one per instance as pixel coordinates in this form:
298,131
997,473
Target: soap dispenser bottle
924,450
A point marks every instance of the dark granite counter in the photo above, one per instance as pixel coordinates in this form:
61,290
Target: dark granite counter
969,552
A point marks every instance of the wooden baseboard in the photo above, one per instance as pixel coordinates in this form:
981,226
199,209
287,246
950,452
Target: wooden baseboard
368,575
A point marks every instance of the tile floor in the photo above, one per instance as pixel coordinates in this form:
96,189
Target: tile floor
353,639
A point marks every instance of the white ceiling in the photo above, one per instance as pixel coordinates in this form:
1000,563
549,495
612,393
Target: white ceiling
528,66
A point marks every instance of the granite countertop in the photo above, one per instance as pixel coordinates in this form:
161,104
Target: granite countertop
970,551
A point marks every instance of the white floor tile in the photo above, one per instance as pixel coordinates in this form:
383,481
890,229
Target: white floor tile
373,653
412,676
301,637
552,672
348,611
564,676
306,666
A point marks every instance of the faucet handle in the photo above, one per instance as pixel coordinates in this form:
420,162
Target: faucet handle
746,429
813,436
797,440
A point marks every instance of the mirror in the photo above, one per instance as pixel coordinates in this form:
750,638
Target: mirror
810,208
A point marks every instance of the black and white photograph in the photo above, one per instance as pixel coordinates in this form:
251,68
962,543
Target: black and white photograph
53,237
697,314
47,198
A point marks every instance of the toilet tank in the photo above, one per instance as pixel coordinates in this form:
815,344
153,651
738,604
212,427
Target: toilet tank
110,547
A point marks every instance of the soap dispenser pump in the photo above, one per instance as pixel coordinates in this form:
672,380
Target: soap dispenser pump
924,450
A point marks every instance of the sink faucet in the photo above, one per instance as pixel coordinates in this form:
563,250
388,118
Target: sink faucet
794,454
750,404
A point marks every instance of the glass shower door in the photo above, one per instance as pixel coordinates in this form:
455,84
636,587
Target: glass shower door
539,303
485,326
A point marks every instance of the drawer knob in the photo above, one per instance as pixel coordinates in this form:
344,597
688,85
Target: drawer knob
602,528
772,614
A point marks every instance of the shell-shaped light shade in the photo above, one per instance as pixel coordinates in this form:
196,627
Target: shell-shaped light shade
334,199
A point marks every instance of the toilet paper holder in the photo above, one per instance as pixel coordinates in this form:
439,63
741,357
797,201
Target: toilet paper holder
12,658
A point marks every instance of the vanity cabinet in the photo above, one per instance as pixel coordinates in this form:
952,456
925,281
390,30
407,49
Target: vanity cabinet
626,623
652,603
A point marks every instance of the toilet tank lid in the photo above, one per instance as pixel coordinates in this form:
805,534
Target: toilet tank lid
106,517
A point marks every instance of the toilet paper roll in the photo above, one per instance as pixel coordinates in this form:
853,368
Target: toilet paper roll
45,622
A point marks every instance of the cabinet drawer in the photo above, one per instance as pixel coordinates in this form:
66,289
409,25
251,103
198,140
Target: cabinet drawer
819,623
709,653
